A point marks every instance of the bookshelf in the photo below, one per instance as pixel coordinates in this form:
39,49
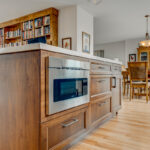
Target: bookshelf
39,24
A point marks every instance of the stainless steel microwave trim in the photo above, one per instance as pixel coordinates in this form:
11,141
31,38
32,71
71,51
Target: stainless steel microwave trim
60,68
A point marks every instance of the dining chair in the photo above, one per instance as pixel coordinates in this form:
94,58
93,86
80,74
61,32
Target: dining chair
138,73
126,81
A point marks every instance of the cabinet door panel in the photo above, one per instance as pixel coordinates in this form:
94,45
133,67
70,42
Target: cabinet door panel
58,130
99,109
100,85
116,94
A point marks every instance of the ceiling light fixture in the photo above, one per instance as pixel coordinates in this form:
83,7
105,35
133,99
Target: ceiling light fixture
95,2
146,42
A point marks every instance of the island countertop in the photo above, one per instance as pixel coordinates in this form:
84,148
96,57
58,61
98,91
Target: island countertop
47,47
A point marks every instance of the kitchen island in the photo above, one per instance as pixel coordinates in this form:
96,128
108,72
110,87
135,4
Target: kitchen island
25,124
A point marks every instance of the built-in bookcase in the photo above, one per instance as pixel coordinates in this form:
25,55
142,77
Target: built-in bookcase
40,24
1,37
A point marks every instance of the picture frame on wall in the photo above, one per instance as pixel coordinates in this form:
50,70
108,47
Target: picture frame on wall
132,57
85,42
67,43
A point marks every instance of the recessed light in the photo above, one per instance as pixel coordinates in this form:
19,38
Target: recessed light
95,2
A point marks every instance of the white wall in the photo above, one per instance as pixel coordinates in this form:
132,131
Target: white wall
131,48
74,20
84,24
67,25
120,49
113,50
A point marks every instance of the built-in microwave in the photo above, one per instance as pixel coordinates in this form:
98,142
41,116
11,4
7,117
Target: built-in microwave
67,84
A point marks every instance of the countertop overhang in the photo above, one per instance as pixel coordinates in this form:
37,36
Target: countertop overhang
47,47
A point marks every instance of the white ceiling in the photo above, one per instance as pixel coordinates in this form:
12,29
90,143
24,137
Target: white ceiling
115,20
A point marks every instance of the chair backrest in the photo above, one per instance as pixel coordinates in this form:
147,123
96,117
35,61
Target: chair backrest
138,71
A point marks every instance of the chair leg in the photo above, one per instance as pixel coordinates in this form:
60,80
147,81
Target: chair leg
127,89
130,92
124,88
147,94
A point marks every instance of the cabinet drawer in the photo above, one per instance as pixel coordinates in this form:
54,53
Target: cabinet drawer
116,69
100,68
99,85
58,130
100,109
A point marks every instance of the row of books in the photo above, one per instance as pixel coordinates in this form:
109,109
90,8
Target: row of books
12,44
47,30
39,32
42,21
1,32
28,25
27,35
11,34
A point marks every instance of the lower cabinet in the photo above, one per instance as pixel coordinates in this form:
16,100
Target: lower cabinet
59,130
100,108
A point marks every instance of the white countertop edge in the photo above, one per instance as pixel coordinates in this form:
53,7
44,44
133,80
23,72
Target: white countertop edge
47,47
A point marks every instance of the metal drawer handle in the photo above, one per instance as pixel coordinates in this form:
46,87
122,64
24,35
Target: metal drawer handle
101,81
101,104
101,67
70,123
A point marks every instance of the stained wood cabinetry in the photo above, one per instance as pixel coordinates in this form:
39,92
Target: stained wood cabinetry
100,108
101,105
59,129
23,119
116,88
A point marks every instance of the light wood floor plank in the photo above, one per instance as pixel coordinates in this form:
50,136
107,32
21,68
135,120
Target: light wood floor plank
130,130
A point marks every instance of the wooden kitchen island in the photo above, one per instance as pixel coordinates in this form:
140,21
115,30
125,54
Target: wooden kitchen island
24,124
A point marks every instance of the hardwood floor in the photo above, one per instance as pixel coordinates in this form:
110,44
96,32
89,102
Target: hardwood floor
130,130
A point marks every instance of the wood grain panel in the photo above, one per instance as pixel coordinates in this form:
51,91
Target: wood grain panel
99,85
19,101
100,108
54,132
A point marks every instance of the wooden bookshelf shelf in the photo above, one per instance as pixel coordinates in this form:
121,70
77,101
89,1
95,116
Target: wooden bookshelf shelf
27,29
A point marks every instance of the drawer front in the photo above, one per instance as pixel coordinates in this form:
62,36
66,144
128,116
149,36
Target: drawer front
100,109
99,85
62,128
116,69
100,68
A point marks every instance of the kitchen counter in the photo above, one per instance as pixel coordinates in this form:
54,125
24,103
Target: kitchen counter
47,47
26,87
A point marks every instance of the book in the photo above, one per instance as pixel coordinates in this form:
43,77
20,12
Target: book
38,22
46,20
11,34
27,35
47,30
39,32
27,25
12,44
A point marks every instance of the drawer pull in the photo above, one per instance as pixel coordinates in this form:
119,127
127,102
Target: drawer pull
70,123
101,67
101,81
101,104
